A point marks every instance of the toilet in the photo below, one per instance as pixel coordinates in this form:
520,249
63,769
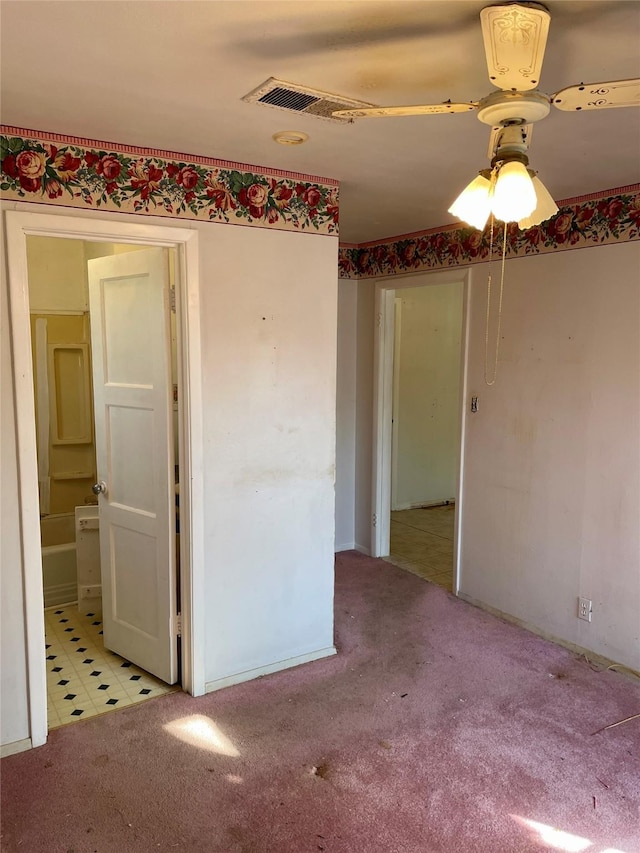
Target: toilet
88,559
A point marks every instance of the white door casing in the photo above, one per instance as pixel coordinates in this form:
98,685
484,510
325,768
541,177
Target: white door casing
27,219
130,337
395,403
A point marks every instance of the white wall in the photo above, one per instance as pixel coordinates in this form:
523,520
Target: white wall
346,416
269,308
552,483
364,413
13,674
269,425
427,375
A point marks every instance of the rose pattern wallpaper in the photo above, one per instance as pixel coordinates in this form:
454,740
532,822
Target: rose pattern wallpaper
612,217
53,172
52,169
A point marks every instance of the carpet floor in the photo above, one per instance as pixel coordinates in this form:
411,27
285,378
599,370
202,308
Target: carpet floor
436,729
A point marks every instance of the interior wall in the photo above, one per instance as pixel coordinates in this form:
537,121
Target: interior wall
552,460
427,374
61,355
346,415
57,275
270,399
363,331
552,478
14,725
268,337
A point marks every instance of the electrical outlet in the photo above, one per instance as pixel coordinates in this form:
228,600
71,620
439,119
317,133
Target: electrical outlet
584,609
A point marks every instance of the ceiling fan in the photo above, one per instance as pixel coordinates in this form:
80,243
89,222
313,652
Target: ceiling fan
515,36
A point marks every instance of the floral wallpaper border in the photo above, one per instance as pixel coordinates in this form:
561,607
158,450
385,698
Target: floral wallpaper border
74,172
608,217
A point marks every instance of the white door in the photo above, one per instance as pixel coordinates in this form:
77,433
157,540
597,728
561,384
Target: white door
130,337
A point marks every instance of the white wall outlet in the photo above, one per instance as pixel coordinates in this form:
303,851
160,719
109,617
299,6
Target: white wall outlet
585,607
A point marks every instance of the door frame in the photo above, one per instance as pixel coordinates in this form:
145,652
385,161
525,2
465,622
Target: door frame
383,351
21,223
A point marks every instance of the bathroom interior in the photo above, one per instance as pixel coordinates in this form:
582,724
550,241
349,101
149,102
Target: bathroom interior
83,678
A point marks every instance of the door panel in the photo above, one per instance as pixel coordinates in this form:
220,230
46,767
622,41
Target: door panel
129,302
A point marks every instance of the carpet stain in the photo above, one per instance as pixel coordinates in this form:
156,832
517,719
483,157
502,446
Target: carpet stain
100,760
321,770
384,744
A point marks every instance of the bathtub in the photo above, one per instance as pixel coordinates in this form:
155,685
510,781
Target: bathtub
59,571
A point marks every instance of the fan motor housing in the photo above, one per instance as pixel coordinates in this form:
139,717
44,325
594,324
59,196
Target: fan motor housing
526,107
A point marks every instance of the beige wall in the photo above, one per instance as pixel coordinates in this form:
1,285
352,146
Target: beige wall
58,295
268,303
364,413
57,275
71,465
427,375
346,415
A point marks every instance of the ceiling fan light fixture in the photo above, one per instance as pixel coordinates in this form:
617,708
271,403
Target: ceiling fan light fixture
473,205
545,206
514,196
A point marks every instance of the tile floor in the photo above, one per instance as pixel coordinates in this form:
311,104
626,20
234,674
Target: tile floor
422,542
83,678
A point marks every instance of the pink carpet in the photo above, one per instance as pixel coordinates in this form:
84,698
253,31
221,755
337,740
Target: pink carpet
437,729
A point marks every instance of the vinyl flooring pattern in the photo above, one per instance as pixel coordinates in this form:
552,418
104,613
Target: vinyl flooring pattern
422,543
83,678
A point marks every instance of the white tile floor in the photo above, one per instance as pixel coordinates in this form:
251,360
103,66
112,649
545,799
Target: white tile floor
83,678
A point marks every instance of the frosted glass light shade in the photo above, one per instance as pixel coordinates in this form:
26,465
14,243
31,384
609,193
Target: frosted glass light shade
545,207
514,196
473,205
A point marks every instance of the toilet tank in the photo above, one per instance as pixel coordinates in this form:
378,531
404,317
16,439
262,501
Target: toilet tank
88,559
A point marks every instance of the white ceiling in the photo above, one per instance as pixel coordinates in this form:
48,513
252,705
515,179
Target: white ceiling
170,75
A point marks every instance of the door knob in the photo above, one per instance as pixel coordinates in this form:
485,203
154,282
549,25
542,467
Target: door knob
99,488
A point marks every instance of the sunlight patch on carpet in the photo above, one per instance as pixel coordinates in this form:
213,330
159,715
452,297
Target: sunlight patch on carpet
557,839
198,730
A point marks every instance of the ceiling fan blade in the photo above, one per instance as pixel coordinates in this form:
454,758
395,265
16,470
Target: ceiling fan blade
515,37
598,96
417,110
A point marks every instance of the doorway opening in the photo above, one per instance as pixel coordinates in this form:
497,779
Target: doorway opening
418,435
113,383
85,676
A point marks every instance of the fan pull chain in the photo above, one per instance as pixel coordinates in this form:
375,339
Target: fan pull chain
486,333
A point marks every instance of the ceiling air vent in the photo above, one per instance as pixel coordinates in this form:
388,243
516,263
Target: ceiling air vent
301,99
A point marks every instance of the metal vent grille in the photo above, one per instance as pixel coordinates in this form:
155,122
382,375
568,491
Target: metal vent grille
287,99
301,99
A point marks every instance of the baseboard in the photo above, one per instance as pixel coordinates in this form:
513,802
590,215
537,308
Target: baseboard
15,747
249,674
594,657
423,505
349,546
60,594
362,550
